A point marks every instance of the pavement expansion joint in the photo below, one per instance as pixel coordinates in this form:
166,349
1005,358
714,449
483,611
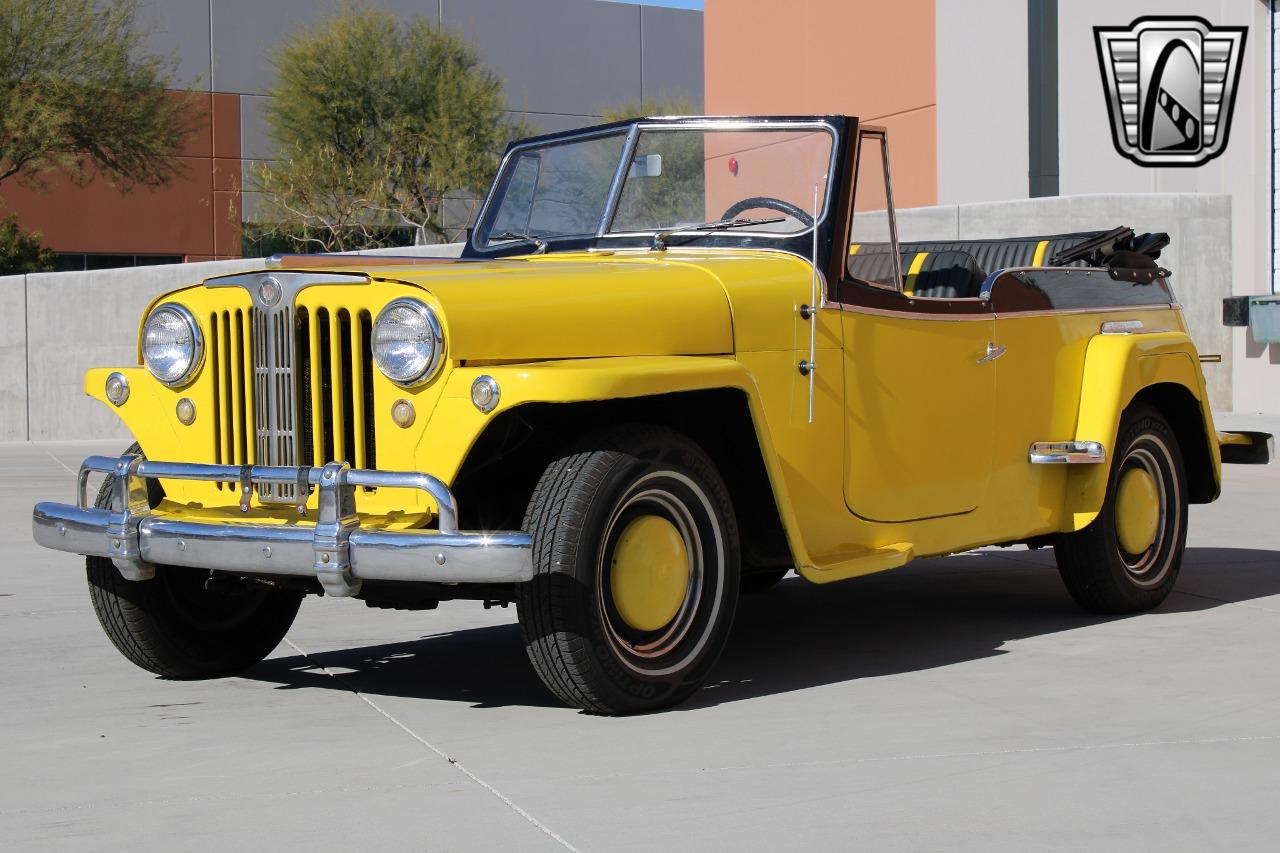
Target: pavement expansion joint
453,762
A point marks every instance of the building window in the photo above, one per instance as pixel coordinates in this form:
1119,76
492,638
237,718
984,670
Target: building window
82,261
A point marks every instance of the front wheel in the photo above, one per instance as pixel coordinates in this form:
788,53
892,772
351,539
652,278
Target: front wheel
176,626
636,561
1128,559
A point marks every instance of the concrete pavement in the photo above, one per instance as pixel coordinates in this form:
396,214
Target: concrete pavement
959,703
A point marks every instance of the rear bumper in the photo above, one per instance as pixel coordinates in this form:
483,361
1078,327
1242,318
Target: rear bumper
336,550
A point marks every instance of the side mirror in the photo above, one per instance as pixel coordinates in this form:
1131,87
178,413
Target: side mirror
646,166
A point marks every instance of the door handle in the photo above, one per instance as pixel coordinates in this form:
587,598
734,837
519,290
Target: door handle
994,351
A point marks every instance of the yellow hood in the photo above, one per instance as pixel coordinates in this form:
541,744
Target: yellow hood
575,306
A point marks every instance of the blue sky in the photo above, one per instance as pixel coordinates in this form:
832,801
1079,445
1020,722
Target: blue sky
675,4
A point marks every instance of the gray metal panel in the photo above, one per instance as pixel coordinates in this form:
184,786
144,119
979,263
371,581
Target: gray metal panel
555,56
180,28
255,135
555,122
245,34
672,45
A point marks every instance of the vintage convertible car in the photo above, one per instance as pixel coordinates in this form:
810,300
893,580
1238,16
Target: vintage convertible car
678,358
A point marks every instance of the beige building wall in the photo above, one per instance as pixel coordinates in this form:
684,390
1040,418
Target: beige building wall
870,59
982,100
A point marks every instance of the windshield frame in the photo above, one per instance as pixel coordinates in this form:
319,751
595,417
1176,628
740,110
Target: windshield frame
480,244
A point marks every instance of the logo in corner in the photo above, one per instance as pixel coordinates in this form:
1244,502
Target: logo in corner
1171,86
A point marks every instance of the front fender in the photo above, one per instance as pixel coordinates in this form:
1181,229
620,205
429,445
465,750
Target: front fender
456,424
1118,368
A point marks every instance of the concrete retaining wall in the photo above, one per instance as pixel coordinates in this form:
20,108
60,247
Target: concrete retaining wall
54,326
13,357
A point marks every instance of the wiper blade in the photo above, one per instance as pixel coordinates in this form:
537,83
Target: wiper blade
537,240
660,237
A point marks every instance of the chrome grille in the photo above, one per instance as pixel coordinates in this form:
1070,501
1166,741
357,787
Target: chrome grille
275,397
293,380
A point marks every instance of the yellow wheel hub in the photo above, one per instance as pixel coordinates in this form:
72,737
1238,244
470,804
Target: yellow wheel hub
650,573
1137,510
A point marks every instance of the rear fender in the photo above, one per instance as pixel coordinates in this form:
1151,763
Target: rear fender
1118,370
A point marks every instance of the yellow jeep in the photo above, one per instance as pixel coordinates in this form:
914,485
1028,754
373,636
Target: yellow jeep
677,358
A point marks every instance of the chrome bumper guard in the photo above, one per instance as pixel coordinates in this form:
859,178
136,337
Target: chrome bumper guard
337,551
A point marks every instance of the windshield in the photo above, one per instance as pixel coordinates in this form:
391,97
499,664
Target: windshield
757,180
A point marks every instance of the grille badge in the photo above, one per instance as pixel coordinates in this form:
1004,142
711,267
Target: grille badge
269,291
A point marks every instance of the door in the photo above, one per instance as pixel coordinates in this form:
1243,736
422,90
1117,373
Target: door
919,373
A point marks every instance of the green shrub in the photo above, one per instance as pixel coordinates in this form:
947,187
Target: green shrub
20,251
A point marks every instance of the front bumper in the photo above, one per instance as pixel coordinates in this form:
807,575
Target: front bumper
336,550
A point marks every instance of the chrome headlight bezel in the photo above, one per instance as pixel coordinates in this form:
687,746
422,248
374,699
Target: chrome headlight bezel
196,354
432,361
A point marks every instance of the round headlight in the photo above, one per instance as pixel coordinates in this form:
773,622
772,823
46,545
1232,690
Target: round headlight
407,342
171,344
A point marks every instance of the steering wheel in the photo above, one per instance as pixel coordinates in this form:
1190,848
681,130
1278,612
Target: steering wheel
769,203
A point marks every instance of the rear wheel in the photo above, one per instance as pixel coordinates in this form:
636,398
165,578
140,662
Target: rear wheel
1128,559
178,625
635,551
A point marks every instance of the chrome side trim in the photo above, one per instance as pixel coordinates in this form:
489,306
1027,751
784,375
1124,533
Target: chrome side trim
1121,327
1067,453
336,551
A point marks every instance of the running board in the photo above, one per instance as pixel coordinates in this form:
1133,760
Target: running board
1067,453
861,563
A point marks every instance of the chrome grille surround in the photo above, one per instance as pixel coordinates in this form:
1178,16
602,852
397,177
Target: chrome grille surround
275,400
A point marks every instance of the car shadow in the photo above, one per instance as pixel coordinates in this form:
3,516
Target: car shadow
932,613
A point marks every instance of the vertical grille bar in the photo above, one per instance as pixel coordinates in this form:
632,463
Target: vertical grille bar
236,402
355,354
229,407
214,363
336,389
260,403
317,389
366,371
247,392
